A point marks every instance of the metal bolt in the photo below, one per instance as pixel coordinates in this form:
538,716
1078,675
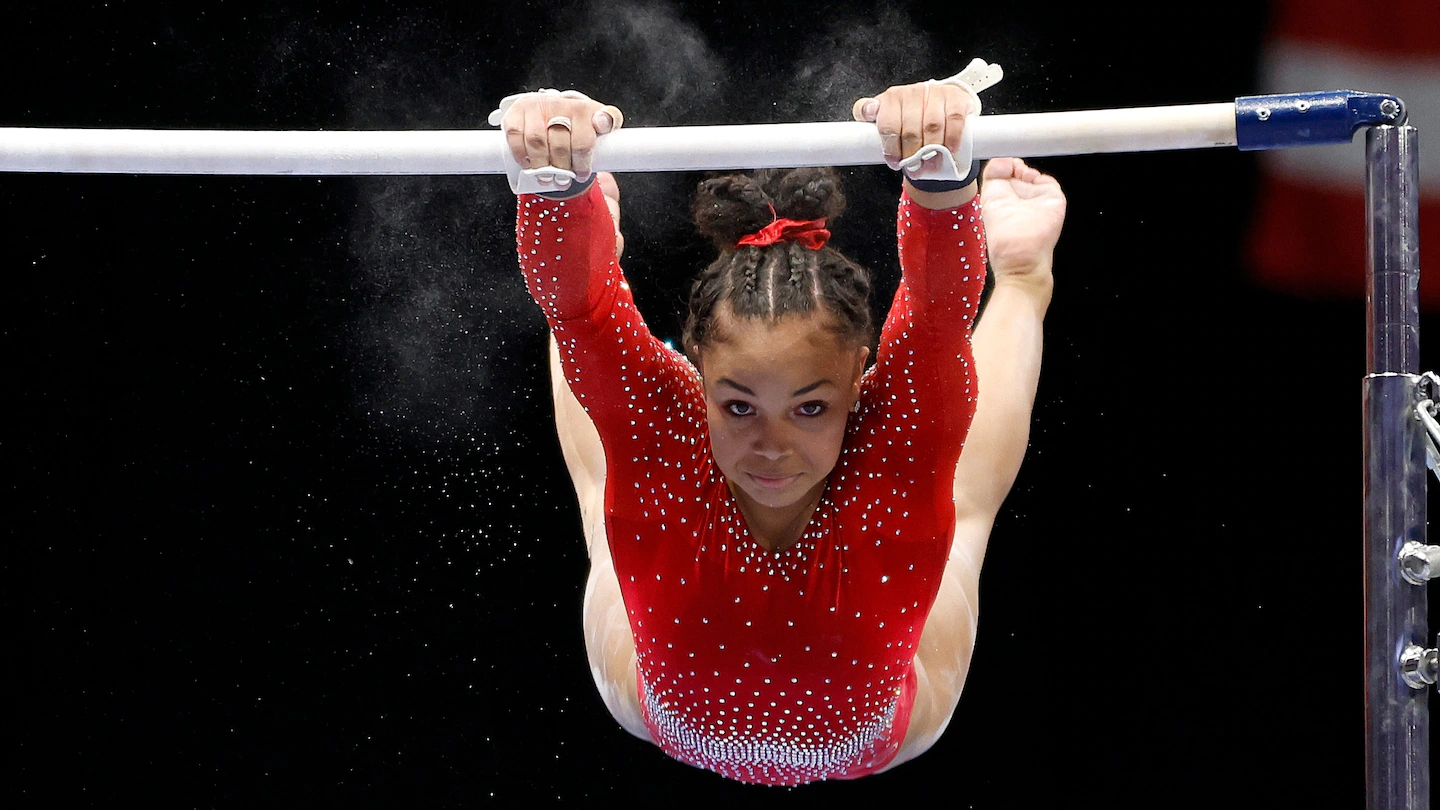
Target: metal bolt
1428,384
1302,106
1419,667
1419,563
1389,108
1263,114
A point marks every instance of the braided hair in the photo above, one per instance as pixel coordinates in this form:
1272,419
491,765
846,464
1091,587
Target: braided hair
772,281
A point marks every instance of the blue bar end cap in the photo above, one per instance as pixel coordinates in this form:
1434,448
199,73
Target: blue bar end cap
1302,119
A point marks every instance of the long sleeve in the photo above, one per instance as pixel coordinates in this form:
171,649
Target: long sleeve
637,390
919,398
771,667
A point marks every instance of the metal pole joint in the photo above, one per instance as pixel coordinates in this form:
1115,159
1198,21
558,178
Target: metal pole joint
1301,119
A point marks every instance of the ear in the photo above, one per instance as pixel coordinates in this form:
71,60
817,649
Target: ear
861,355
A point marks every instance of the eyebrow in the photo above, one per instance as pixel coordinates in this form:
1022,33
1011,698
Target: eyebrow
742,389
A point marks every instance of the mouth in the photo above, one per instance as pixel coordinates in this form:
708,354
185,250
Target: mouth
774,483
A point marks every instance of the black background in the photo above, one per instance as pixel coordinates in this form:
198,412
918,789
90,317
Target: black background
289,522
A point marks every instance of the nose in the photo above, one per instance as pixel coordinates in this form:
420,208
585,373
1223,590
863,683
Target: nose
772,440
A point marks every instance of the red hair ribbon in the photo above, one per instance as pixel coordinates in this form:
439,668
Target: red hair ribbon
810,233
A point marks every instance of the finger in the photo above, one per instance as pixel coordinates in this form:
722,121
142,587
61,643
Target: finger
537,142
607,119
933,120
582,152
865,109
958,105
557,134
514,126
888,122
912,123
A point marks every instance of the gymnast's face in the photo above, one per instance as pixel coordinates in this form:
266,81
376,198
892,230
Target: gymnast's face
777,397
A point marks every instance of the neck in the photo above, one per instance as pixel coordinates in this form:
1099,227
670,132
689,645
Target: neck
776,528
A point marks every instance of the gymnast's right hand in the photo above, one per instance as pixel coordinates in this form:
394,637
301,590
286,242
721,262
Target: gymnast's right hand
558,130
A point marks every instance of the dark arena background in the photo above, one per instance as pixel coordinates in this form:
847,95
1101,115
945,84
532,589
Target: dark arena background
289,524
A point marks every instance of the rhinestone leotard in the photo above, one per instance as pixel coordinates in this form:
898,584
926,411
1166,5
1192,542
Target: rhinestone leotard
775,668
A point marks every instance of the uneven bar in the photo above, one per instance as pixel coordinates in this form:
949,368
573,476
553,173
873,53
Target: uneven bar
1397,723
636,149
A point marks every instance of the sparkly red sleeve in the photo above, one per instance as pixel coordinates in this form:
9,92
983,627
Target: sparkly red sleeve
919,397
618,370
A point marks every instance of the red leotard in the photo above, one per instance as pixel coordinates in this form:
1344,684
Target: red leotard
776,668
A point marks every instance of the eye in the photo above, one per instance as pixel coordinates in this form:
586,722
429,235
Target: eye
738,408
812,409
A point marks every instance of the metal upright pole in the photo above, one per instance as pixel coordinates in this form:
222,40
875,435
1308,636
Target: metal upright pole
1397,722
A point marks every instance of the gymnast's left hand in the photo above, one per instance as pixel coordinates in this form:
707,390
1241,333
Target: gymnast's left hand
1023,209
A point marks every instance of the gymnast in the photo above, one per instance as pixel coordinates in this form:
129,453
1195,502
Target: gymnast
785,545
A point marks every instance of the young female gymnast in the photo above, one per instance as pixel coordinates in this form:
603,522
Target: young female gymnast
785,546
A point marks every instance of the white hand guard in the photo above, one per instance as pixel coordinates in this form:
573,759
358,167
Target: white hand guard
977,76
545,179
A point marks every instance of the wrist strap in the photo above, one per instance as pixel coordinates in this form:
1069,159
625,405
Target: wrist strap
572,191
936,186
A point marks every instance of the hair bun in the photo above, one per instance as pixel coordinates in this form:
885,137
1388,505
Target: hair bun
809,193
729,207
732,206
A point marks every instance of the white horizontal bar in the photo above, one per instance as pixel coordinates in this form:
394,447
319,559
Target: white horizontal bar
638,149
1089,132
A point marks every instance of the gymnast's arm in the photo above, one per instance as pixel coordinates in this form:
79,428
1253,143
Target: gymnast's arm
923,376
1023,210
567,249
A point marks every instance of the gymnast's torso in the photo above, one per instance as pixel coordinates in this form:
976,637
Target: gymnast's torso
786,666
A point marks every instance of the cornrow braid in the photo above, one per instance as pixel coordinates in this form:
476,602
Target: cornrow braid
799,270
772,281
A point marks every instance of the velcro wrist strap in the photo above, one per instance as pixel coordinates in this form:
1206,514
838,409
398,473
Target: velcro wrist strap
937,186
570,192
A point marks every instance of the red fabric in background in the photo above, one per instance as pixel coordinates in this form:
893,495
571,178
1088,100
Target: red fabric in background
1310,242
1397,29
1308,238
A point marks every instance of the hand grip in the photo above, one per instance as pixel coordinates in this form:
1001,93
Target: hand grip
978,75
543,179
